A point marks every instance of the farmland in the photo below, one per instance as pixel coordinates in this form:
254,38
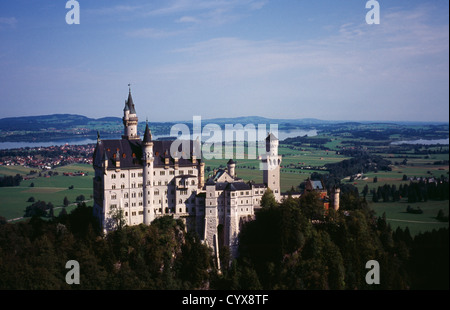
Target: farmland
13,200
302,156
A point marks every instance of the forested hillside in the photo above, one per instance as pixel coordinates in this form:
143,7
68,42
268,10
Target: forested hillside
283,248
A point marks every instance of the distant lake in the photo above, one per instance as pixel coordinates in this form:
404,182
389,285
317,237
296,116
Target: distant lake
16,145
424,142
283,134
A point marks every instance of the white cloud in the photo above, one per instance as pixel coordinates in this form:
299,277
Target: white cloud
391,66
188,19
152,33
215,12
118,9
8,22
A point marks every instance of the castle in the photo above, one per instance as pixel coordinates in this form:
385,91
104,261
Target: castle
137,180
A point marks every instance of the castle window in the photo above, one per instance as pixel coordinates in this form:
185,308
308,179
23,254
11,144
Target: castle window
125,195
113,196
172,172
193,182
122,186
113,186
122,175
123,155
191,172
113,176
133,155
162,173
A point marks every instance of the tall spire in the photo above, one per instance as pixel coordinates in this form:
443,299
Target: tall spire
130,119
147,134
130,101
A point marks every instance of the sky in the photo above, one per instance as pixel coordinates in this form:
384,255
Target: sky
288,59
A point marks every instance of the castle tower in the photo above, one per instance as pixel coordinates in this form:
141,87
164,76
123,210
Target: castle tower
211,219
232,221
231,167
271,165
336,193
130,120
147,161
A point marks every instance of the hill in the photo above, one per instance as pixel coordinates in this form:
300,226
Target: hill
72,126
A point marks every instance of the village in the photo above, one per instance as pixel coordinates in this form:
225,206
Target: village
46,158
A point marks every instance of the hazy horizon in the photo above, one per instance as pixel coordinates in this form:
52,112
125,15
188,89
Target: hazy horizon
238,117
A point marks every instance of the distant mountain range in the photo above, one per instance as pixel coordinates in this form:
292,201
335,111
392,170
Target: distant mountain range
69,126
63,121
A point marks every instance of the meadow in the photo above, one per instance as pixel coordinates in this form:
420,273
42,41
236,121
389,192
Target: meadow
397,216
14,200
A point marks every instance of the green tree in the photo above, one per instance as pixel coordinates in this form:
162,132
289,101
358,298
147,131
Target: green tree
268,199
311,205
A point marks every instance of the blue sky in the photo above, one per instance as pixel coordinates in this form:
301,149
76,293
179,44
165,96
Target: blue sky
227,58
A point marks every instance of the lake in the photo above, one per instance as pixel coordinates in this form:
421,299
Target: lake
283,134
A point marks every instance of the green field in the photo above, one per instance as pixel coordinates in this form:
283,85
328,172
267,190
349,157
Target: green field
13,200
397,216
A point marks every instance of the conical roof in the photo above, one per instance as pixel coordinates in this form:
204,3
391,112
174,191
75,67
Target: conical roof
147,134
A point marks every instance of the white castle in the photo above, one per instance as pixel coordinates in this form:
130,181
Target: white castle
138,180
